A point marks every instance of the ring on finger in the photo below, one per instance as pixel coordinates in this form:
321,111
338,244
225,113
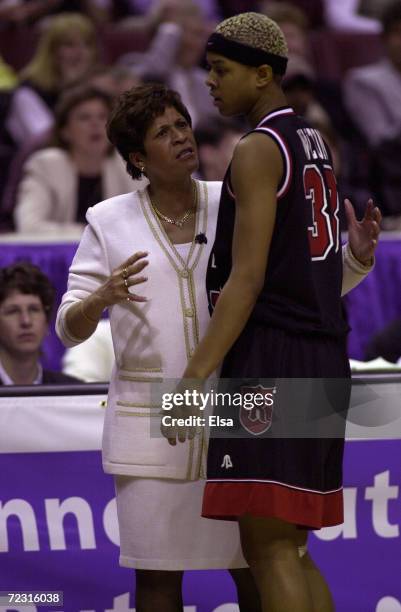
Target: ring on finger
125,273
126,283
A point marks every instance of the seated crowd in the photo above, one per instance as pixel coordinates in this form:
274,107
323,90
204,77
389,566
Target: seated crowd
113,45
56,161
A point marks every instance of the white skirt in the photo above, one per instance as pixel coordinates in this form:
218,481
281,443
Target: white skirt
161,527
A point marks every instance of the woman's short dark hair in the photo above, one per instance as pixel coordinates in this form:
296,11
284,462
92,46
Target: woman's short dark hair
133,115
69,100
30,280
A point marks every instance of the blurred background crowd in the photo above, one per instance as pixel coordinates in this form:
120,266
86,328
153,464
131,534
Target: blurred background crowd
63,61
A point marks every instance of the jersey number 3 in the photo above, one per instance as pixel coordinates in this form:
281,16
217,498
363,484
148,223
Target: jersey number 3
321,191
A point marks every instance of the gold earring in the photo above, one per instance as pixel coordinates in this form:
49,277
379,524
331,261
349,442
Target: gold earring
142,168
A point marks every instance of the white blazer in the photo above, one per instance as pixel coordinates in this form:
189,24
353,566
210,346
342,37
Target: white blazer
47,195
152,341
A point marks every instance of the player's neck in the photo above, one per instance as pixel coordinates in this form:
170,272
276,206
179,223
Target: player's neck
265,105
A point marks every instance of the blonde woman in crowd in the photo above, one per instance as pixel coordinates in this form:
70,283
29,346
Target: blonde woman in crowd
66,54
60,182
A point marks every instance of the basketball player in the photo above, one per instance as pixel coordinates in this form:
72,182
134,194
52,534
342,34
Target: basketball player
276,268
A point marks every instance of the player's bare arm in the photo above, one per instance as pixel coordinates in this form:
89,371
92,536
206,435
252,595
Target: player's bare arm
256,172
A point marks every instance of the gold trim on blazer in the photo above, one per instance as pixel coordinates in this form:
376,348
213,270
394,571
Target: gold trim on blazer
149,370
137,405
136,414
140,378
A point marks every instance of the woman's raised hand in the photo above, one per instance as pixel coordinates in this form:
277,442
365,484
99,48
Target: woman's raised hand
116,288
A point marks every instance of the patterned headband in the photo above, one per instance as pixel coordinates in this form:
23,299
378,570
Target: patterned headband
244,54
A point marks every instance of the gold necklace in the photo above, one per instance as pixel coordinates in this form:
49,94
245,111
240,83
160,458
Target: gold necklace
178,222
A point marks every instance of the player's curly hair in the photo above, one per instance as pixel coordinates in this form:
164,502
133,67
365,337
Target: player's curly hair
30,280
255,30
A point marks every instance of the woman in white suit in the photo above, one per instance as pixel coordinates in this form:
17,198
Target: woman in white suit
158,313
154,334
61,182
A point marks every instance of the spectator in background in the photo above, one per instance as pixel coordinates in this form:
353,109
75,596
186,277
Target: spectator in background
216,139
344,15
299,85
115,80
61,182
26,305
312,8
373,93
174,58
151,8
373,97
127,18
66,54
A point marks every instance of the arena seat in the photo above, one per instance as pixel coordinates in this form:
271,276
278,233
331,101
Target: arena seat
14,176
17,45
114,41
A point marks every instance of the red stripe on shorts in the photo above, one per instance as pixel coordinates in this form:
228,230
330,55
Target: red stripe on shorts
230,500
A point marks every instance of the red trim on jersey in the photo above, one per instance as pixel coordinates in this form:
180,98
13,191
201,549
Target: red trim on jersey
230,500
277,113
286,181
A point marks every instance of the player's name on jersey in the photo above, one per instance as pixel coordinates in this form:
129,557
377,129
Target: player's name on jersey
212,420
313,144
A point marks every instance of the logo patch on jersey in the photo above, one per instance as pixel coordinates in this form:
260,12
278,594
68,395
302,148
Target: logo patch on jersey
256,410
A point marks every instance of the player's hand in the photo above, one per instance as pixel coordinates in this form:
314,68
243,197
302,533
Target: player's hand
191,409
116,289
363,235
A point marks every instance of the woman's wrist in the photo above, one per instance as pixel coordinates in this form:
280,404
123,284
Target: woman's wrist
86,316
356,261
92,308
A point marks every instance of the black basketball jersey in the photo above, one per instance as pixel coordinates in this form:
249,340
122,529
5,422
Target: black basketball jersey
303,280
